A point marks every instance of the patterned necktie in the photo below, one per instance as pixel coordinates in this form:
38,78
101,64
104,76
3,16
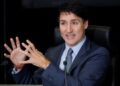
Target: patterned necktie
69,59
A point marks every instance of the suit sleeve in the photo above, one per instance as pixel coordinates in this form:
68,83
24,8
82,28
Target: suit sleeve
27,76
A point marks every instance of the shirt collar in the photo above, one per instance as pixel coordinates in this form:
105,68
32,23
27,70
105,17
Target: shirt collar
77,47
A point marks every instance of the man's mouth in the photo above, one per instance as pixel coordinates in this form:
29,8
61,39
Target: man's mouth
70,36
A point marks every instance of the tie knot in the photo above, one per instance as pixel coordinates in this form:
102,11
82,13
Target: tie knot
70,51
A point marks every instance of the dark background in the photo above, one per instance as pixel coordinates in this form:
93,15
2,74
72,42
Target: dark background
36,20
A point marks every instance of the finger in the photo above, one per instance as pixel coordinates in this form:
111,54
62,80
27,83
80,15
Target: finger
6,55
31,44
12,43
7,48
17,42
26,53
24,62
27,47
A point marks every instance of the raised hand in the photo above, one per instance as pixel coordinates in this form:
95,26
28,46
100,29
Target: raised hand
15,54
35,57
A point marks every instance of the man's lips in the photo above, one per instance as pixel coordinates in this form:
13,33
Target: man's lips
70,36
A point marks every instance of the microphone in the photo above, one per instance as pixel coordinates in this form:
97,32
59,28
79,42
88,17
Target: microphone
65,65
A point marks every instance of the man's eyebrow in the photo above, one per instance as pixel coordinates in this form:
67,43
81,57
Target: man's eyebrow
76,20
61,20
71,19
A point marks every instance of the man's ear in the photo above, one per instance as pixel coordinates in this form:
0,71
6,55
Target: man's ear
86,24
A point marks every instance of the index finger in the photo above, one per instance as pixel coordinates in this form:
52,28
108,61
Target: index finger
31,44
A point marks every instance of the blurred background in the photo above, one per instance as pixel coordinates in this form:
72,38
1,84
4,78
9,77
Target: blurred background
36,20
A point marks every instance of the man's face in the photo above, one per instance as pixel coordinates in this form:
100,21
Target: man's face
72,28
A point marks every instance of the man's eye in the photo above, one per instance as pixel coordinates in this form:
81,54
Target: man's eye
74,22
62,23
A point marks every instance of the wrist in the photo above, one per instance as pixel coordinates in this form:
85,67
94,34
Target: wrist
46,64
18,67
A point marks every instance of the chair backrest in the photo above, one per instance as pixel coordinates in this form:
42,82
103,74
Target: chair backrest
99,34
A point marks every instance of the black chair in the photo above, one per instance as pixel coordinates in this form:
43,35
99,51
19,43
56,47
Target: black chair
101,36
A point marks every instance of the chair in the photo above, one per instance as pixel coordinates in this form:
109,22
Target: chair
101,36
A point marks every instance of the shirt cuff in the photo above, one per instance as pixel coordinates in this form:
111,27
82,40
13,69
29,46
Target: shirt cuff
14,71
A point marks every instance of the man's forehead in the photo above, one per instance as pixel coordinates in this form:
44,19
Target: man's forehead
66,13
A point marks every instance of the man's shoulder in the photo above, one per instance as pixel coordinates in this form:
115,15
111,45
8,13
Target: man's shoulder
98,48
53,51
96,45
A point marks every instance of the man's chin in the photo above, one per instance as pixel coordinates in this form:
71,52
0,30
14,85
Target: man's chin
70,43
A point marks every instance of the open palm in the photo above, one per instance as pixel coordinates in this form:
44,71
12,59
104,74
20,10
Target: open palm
15,54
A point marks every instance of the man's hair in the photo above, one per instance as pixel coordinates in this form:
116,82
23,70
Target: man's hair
76,8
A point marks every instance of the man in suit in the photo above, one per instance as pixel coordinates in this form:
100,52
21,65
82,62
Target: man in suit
89,62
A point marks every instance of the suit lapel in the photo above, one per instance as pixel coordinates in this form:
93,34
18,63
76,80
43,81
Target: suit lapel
80,56
59,54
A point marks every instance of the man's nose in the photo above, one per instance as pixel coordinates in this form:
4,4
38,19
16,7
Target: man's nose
69,28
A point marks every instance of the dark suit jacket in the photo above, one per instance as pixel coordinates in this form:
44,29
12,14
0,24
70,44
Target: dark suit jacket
88,68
